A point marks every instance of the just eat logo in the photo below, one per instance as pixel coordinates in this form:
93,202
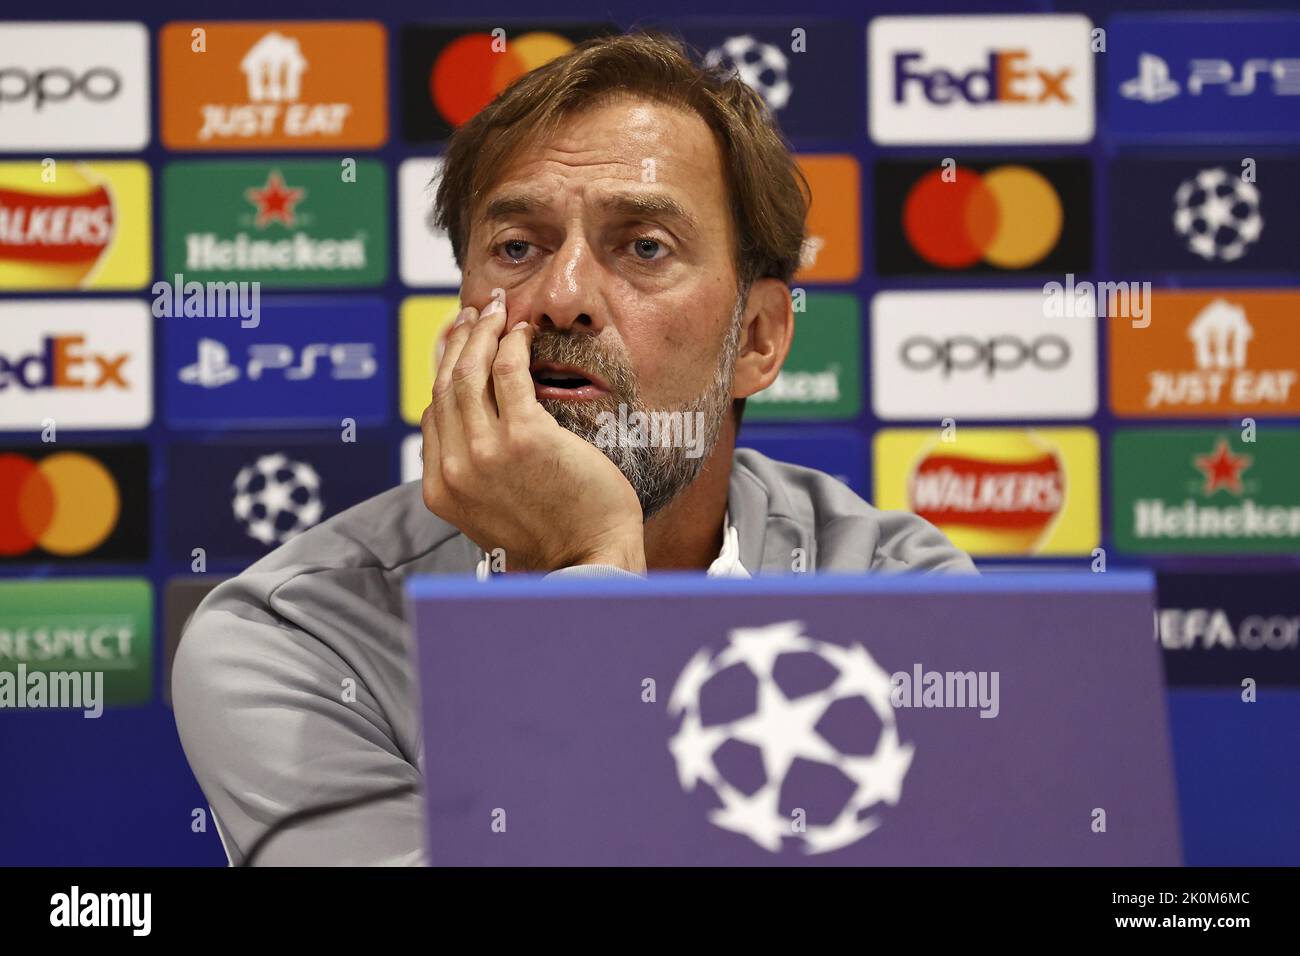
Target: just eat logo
63,362
1007,76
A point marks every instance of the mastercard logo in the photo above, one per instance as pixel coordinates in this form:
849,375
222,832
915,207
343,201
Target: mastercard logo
990,494
469,73
1009,217
66,504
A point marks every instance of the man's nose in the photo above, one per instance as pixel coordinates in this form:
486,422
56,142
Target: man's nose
570,288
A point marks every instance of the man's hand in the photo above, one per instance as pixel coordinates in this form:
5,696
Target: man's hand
501,469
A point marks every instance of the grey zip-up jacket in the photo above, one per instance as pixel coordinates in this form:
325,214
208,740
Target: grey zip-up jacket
293,686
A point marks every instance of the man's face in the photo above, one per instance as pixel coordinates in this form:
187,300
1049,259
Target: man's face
613,237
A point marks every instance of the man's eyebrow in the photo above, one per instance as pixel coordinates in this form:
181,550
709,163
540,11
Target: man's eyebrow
638,205
512,204
649,206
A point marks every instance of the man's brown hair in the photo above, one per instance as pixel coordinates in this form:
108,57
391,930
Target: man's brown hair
769,195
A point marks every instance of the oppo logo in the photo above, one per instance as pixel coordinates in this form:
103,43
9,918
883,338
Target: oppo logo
57,85
997,353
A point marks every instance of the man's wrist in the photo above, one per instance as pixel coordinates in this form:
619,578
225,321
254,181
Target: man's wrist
626,551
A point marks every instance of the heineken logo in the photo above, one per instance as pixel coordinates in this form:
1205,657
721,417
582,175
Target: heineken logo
274,201
207,251
1222,468
291,224
1195,491
1155,519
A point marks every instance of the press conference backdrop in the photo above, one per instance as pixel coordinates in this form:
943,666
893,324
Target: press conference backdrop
976,172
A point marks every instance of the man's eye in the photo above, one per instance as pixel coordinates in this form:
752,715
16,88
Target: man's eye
648,249
515,249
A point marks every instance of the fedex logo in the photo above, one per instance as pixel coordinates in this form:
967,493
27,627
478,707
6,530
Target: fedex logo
62,362
1007,76
82,363
1000,78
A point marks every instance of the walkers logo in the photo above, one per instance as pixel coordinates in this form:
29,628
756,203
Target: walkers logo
70,225
996,492
1214,77
243,499
831,250
1210,213
425,321
839,452
78,626
1209,353
74,504
1203,491
273,85
287,224
427,258
981,79
1217,628
312,361
804,71
983,217
76,364
449,74
74,86
822,377
987,354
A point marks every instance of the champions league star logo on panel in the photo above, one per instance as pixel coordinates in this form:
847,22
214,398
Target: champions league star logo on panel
787,729
277,498
761,66
1218,214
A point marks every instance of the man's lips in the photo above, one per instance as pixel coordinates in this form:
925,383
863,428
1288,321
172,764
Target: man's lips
567,383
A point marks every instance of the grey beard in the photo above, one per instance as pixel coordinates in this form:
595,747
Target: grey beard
657,473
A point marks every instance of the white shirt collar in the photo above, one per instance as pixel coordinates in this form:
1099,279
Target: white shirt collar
725,565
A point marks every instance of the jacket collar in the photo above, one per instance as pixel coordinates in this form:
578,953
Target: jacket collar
761,515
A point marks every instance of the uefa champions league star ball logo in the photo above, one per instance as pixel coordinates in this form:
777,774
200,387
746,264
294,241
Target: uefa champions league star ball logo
277,498
761,66
786,729
1218,214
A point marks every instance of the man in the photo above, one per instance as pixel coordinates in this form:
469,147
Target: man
627,227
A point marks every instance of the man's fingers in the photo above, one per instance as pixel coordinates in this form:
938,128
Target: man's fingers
455,341
511,378
430,456
469,376
445,413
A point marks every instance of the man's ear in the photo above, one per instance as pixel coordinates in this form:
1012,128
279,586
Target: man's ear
766,332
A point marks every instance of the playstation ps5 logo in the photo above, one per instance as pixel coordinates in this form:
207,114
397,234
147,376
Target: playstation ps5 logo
1154,84
346,360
